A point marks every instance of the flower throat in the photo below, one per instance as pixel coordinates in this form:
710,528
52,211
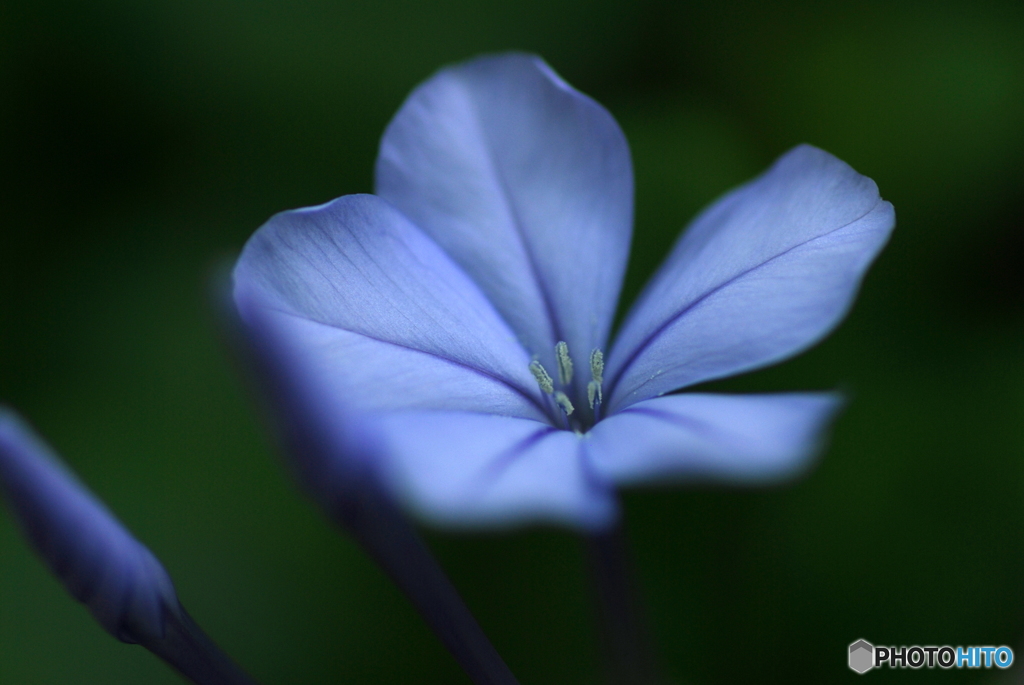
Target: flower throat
575,422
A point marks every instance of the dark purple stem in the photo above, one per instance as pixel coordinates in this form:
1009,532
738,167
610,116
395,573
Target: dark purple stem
390,539
187,649
624,633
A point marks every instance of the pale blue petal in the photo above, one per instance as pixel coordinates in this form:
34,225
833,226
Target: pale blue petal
101,564
761,275
700,437
473,470
454,468
528,185
378,309
330,446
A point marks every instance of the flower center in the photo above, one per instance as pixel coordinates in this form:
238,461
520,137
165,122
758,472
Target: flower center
575,420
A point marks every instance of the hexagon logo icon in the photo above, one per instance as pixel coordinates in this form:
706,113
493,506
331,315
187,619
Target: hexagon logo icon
862,656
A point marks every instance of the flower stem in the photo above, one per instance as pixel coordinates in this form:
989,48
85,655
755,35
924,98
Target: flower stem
391,540
625,635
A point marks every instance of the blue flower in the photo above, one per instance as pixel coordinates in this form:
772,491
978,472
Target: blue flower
461,315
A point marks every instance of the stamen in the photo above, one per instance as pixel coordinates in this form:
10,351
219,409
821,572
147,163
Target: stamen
594,394
564,403
597,366
564,363
542,376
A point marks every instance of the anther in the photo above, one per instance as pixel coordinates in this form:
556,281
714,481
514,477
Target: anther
542,376
564,363
597,366
564,403
594,394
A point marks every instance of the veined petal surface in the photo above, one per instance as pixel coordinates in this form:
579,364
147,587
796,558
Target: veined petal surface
528,185
100,563
695,436
762,274
376,307
464,469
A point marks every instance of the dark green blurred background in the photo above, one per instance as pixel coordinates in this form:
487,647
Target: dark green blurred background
141,144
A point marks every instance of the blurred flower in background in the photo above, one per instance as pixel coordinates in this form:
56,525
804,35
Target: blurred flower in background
141,144
126,588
